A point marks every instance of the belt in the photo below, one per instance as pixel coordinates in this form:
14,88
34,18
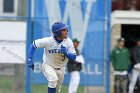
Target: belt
57,68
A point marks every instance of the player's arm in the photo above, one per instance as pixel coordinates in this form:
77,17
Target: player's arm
112,57
69,55
135,55
30,56
39,43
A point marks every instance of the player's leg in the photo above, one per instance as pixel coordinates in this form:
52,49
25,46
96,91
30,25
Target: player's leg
74,82
117,87
60,75
51,76
135,74
124,83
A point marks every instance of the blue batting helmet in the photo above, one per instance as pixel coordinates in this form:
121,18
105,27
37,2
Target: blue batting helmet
57,27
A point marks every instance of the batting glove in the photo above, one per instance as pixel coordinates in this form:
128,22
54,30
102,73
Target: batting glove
30,64
63,49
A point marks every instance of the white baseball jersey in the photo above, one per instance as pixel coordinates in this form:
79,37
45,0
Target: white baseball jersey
52,54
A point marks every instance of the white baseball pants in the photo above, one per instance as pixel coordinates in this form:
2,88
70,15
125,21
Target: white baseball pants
54,76
134,77
74,82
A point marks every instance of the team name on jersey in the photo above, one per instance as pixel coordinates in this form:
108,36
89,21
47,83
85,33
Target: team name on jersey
54,51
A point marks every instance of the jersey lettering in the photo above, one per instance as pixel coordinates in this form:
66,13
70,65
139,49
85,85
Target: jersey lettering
54,51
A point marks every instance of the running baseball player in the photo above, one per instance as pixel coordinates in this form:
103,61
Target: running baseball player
58,49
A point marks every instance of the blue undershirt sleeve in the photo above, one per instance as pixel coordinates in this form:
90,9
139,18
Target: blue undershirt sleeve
31,51
71,56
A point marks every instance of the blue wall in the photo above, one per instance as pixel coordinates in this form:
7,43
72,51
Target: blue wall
86,22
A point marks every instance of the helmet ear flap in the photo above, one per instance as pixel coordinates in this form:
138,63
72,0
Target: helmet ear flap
59,33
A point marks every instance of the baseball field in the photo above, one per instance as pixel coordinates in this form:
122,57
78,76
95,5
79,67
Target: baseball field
6,86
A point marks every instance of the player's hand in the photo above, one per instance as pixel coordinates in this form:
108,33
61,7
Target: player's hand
30,64
63,49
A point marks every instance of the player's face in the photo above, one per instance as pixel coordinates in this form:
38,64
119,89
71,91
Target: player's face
121,43
64,33
76,44
138,43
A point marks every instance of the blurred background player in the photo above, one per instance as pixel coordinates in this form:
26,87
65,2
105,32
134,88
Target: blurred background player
58,49
74,68
136,68
120,59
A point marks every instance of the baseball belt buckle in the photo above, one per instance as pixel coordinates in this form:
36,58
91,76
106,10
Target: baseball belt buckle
57,68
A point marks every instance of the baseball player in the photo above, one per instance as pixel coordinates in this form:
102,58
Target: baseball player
58,49
74,69
136,69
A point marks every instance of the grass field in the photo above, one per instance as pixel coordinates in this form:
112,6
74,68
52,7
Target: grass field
6,86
